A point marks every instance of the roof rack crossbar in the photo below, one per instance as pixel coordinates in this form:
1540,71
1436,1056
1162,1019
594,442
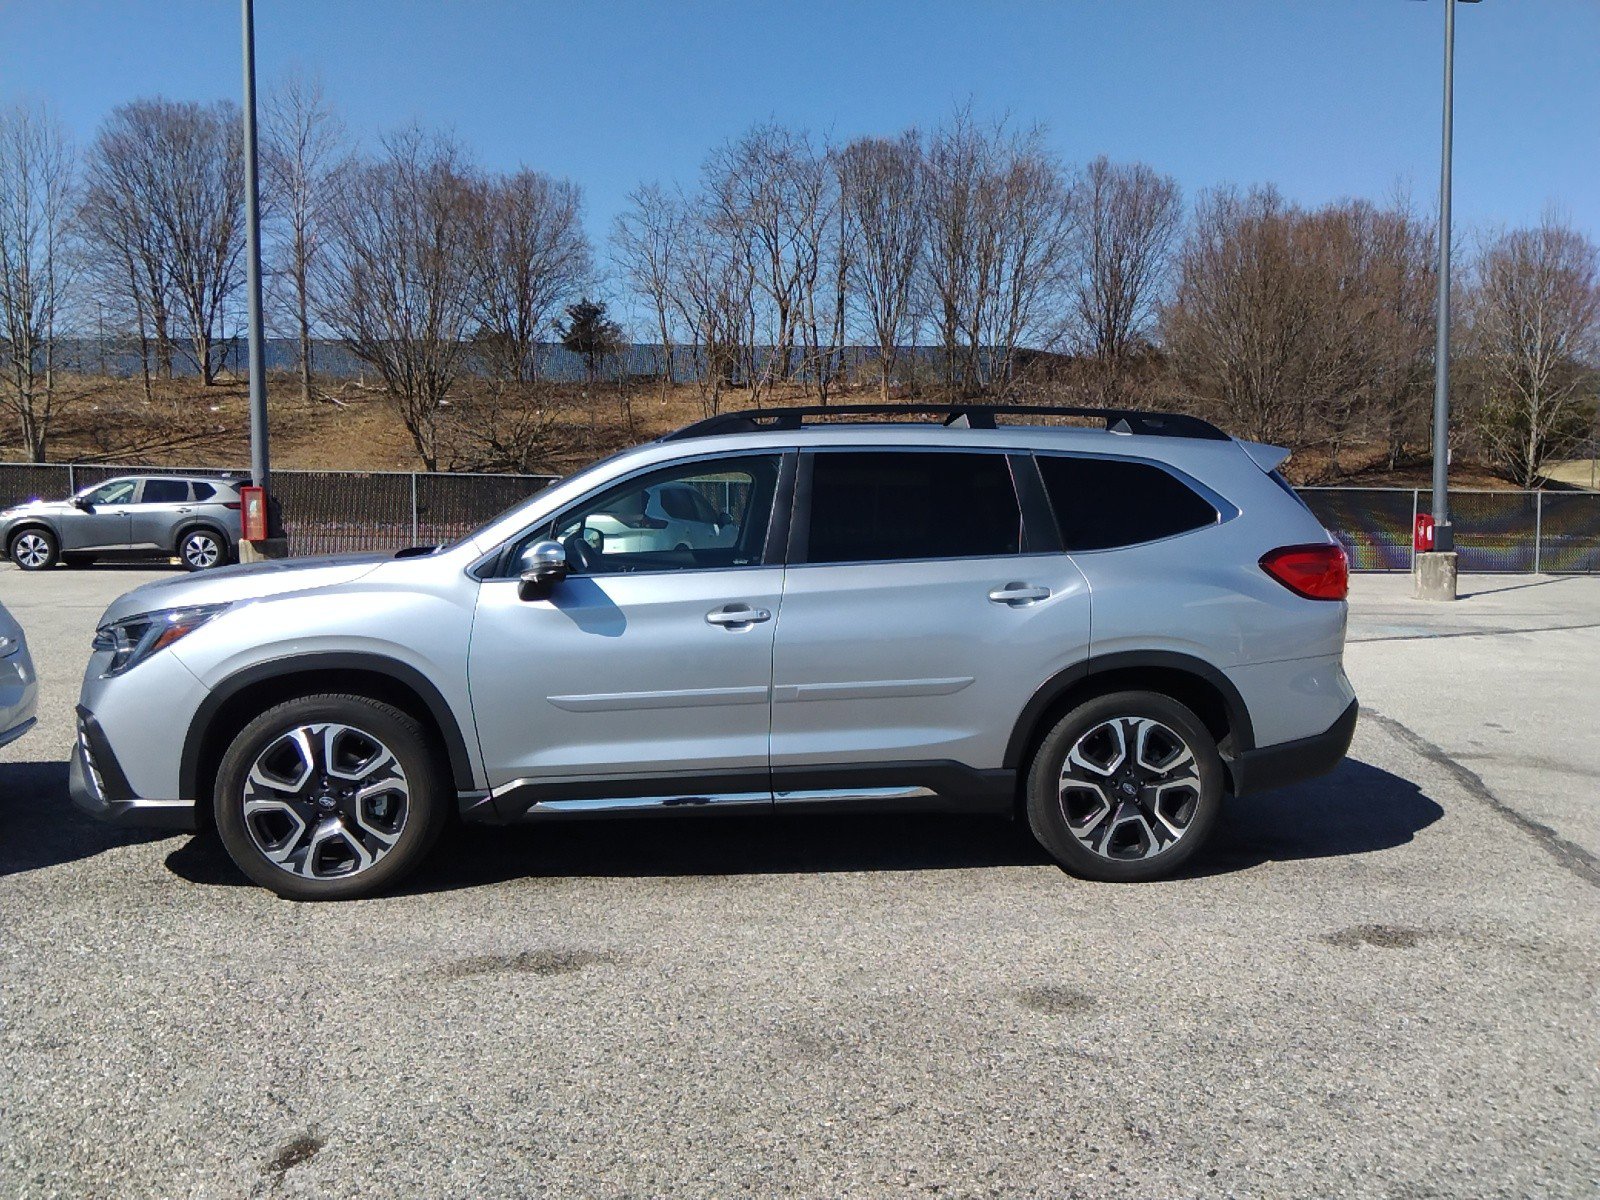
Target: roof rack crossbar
956,416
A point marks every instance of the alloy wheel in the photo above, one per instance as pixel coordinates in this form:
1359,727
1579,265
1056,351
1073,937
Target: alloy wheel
200,550
31,550
1129,788
325,801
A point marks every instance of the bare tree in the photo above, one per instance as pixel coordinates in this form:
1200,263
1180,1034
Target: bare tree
1534,329
1127,216
164,210
882,198
712,292
1240,324
646,246
397,274
996,254
37,181
304,145
529,255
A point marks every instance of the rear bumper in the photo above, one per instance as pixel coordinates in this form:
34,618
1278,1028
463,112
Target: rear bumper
1290,762
97,785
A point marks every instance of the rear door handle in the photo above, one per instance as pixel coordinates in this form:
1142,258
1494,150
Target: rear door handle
736,615
184,510
1019,594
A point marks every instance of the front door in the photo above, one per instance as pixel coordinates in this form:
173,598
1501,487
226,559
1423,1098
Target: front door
105,522
914,629
643,679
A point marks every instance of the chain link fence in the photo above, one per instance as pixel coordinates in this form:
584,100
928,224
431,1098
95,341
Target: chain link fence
331,512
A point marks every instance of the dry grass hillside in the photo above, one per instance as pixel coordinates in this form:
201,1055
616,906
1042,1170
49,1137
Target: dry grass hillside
356,428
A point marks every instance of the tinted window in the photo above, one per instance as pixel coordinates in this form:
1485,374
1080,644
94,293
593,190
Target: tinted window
631,527
868,506
1102,502
203,491
164,491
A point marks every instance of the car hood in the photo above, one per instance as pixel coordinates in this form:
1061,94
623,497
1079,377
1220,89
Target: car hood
52,507
252,581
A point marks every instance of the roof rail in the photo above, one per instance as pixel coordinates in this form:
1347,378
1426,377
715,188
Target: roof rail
963,416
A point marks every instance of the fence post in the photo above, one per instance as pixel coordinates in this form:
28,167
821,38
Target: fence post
1538,528
413,508
1415,502
72,481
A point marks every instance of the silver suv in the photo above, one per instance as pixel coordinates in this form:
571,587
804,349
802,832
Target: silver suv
193,518
1101,630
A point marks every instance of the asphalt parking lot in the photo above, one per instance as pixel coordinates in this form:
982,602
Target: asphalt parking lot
1379,984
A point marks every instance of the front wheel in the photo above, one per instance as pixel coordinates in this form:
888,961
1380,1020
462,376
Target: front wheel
1125,787
330,797
34,549
200,550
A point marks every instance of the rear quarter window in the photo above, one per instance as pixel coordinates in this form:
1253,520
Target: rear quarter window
203,491
1103,503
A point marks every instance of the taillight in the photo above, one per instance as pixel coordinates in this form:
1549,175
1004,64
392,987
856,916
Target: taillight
1320,572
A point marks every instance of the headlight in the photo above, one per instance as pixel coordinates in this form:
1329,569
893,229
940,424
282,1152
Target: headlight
134,639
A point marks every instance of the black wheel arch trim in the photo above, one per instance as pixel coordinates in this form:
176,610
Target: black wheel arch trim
1241,732
444,719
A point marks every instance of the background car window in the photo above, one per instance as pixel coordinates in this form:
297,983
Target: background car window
1101,503
118,491
868,506
669,520
203,491
164,491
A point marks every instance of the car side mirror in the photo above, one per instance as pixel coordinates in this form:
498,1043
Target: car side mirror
83,503
724,519
541,567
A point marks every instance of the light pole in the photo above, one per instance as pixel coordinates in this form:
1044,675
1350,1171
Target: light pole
1436,571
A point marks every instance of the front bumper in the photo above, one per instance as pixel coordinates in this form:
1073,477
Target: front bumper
19,695
1291,762
97,785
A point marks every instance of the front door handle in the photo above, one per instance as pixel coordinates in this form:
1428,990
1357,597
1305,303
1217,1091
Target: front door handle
186,509
1019,594
737,616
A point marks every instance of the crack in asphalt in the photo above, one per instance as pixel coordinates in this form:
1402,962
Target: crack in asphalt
1464,633
1567,854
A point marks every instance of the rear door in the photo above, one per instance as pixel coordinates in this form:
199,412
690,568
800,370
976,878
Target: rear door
918,618
161,504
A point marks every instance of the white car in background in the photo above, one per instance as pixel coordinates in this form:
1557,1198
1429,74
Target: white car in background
670,517
19,685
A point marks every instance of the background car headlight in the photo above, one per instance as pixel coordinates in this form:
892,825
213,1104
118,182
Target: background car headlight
134,639
9,645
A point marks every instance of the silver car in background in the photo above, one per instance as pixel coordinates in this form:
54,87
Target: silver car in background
193,518
19,686
1100,631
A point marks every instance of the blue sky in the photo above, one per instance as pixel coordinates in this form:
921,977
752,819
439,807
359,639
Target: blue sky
1325,98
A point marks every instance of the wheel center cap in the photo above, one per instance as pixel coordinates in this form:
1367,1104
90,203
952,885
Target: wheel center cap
326,802
1129,789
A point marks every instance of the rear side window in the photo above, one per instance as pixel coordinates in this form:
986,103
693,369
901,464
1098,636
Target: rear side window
1101,503
203,491
869,506
164,491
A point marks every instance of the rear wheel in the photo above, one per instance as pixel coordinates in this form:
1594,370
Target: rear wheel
330,797
201,549
1125,787
34,549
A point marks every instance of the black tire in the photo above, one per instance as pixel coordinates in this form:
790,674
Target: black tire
313,866
200,549
1118,835
34,548
78,560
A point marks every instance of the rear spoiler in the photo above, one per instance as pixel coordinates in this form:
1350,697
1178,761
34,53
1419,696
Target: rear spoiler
1268,458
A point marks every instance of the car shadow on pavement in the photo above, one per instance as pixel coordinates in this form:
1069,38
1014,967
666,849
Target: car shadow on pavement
1358,809
40,828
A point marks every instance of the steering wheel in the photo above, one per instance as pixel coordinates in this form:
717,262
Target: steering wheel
581,559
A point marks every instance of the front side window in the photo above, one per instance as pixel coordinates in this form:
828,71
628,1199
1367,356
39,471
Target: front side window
164,491
118,491
871,506
1102,503
706,514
